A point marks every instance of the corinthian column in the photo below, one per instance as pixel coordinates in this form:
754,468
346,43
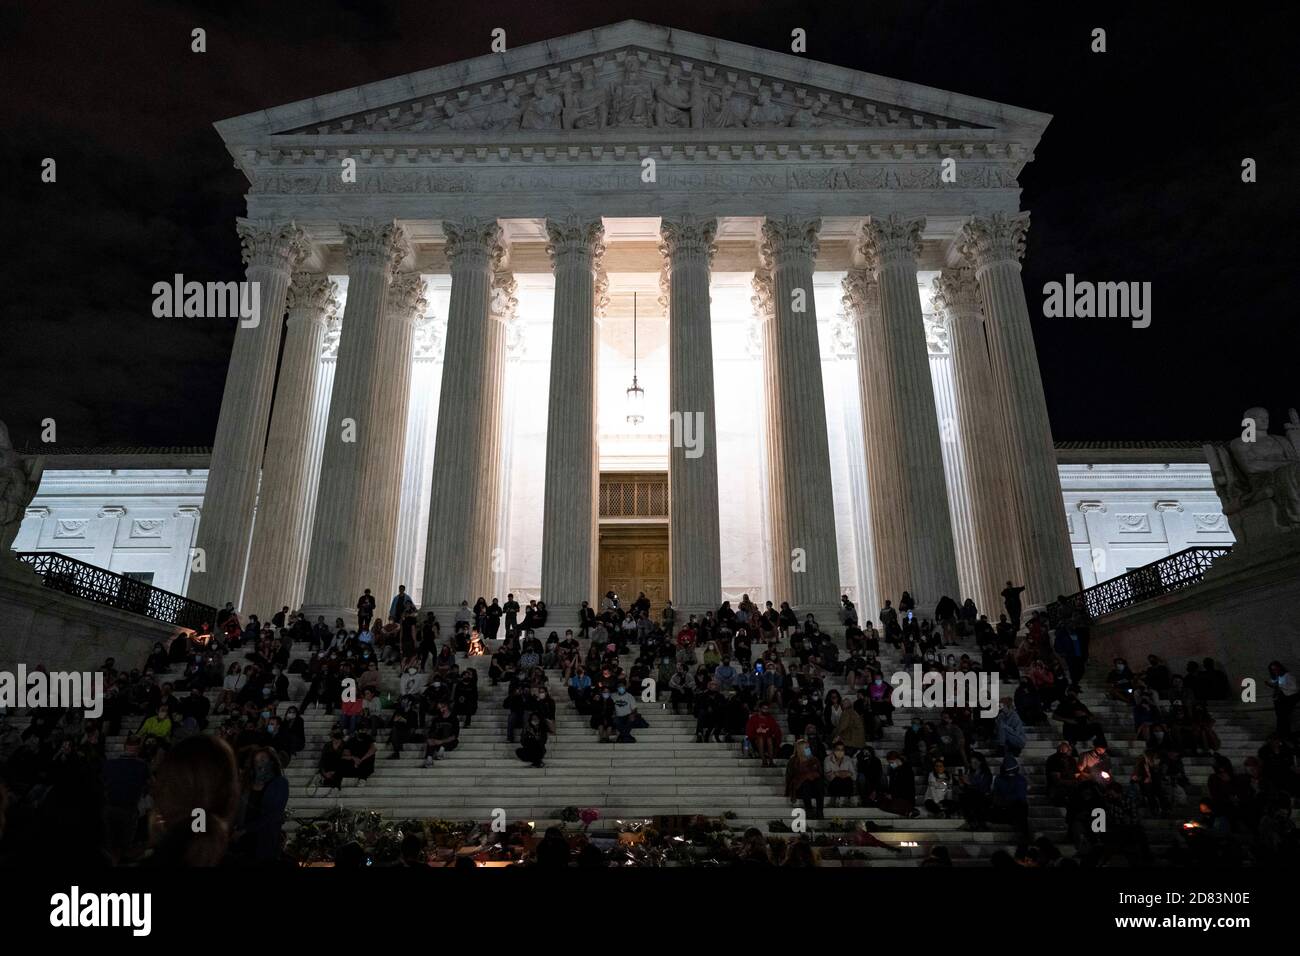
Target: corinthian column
890,557
276,562
569,521
693,455
997,556
805,559
912,466
466,457
351,543
994,247
271,252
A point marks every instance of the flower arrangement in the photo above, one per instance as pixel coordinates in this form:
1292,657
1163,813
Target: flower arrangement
588,816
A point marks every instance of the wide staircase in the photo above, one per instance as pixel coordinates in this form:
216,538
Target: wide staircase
666,772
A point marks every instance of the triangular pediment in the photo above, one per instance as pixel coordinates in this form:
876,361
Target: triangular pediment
626,77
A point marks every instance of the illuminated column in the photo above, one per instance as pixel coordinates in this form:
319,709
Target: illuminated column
457,562
805,559
352,545
277,562
693,453
994,247
569,502
996,557
911,466
271,252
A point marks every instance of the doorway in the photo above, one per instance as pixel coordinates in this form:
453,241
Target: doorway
634,558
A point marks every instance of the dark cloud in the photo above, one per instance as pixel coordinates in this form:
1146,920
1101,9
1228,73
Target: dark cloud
1137,178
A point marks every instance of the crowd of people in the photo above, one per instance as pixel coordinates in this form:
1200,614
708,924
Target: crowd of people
765,679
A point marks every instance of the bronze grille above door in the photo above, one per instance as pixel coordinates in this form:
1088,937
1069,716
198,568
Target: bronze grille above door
634,495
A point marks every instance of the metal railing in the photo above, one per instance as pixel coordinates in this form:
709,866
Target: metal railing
1169,574
70,576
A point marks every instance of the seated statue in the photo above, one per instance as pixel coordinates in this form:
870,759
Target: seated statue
632,97
544,112
677,105
20,476
585,107
1257,476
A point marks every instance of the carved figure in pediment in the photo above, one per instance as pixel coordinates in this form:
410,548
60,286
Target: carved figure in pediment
504,115
764,112
676,105
725,109
808,116
544,112
586,107
633,97
456,119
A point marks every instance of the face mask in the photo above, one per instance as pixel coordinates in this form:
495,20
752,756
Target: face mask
271,728
807,751
622,690
266,714
605,694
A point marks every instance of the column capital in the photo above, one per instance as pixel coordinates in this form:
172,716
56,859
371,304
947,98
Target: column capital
787,239
374,243
406,297
575,236
764,298
956,295
474,243
314,294
502,303
985,241
688,235
265,243
861,293
891,240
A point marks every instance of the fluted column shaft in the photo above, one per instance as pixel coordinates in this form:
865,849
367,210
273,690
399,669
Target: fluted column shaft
466,448
351,545
891,559
271,252
569,501
997,555
890,246
805,559
276,562
994,247
696,552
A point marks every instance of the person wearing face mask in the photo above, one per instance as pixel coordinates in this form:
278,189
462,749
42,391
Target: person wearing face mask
602,715
1009,731
841,775
533,742
464,697
803,780
939,795
412,682
900,787
266,795
881,696
870,776
293,732
1062,769
1120,681
444,735
625,714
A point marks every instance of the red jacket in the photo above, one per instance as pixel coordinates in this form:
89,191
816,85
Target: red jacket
760,725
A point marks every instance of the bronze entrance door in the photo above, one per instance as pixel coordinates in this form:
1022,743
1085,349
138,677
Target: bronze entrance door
634,558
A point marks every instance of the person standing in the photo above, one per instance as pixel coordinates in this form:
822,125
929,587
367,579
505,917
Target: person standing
1011,601
511,611
1286,694
365,610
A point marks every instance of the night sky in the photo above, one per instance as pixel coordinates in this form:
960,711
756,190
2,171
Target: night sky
1138,178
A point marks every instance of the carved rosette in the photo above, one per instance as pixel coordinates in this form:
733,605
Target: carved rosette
267,244
995,239
503,304
789,239
861,294
429,337
406,297
956,295
474,243
892,240
314,294
368,242
574,236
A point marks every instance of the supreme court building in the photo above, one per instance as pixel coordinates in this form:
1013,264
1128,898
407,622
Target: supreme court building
813,273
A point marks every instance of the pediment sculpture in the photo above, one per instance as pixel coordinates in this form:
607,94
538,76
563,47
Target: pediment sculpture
1257,476
635,91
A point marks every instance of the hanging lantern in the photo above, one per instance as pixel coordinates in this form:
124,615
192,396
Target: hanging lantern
635,393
